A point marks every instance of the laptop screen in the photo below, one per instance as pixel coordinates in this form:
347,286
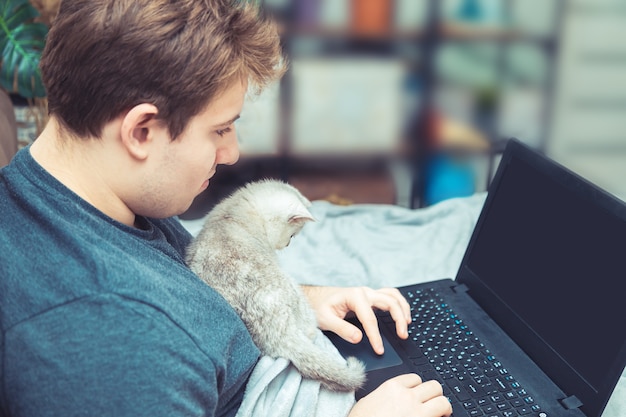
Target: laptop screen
548,262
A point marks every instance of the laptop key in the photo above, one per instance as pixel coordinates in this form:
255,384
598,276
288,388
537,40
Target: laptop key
459,411
503,406
517,403
424,367
502,386
457,389
474,389
469,405
510,395
423,360
489,388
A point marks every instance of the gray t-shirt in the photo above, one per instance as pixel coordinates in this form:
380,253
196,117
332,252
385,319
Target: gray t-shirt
102,319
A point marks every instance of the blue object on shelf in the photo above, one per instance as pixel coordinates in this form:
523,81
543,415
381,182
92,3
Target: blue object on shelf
448,176
470,10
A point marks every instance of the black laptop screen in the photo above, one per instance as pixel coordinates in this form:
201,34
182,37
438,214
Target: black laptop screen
559,264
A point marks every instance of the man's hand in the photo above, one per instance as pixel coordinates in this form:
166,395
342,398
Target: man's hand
333,304
404,396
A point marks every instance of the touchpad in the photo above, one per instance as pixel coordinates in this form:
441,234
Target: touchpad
364,352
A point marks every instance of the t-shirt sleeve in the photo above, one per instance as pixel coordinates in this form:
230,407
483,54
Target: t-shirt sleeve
107,356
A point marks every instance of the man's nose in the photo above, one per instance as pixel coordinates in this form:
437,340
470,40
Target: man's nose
228,154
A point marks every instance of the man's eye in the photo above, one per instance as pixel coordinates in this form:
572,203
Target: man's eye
224,131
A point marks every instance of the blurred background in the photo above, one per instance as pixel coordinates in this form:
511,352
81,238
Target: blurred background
409,102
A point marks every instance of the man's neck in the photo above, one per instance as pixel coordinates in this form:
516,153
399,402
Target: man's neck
82,165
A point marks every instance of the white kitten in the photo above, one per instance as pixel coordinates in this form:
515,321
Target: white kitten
235,253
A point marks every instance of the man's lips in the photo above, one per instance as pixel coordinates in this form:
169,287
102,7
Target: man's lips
205,184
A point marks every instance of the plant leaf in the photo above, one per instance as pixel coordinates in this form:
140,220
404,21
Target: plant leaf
21,44
19,16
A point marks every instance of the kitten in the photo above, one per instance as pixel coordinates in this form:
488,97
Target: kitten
235,253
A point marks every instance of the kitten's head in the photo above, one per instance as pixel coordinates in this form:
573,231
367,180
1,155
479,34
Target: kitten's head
282,208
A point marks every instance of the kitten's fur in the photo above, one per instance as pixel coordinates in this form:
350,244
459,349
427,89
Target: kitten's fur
235,253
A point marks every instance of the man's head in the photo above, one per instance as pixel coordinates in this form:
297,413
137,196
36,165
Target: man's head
103,57
159,83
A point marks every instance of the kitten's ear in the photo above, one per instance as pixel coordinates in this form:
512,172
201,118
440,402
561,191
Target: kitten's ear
302,216
304,200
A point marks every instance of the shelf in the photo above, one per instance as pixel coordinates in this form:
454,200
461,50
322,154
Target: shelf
346,34
322,135
458,32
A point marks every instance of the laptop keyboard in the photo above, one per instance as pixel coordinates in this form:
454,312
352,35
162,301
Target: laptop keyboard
474,380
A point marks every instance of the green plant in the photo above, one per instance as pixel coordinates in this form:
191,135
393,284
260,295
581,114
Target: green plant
21,42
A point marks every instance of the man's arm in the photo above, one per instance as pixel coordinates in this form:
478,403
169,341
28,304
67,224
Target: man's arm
106,356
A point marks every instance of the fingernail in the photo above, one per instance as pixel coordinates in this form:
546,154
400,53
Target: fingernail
356,336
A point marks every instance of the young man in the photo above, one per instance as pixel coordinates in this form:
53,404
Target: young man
99,314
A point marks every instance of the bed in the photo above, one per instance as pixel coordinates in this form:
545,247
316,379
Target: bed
387,245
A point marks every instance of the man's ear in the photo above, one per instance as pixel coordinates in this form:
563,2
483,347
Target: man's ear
138,129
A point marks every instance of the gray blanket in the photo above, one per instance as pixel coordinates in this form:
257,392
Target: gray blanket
381,245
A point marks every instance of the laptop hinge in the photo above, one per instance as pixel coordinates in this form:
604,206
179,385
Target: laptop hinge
571,402
461,288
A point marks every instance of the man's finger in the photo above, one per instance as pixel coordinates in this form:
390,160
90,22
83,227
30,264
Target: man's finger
438,406
406,380
402,302
347,331
369,321
392,301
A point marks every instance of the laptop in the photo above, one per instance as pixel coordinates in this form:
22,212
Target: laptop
534,324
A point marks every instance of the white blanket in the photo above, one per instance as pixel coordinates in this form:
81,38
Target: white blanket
276,389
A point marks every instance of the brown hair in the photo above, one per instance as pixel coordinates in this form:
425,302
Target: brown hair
102,57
